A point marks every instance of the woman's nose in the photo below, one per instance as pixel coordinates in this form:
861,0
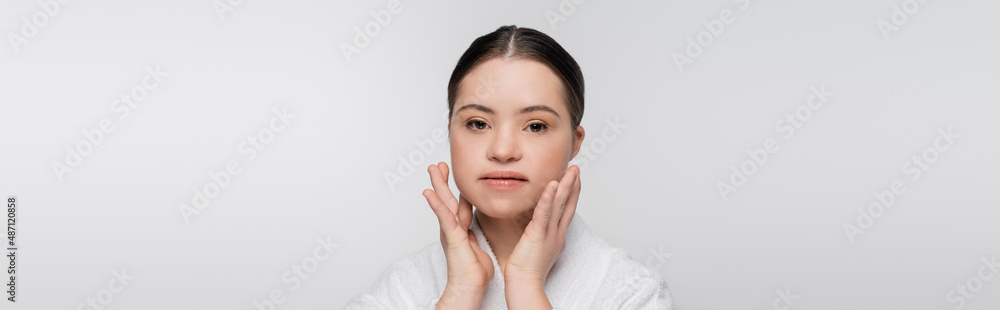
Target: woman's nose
504,147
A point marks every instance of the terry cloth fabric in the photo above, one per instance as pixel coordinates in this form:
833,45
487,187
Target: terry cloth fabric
589,274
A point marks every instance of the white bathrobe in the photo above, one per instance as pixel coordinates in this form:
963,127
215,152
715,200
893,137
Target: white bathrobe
589,274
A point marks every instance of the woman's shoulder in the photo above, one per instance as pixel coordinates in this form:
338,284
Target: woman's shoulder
414,280
628,282
623,281
426,264
584,242
427,258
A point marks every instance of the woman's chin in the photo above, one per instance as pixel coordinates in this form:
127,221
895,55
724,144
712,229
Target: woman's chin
503,210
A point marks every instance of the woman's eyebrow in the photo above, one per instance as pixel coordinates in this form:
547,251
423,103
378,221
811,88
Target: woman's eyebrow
537,108
487,110
477,107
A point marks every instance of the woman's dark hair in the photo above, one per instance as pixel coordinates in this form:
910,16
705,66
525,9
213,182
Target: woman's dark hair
513,42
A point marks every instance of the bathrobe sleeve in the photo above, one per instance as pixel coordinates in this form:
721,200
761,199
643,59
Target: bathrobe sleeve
630,285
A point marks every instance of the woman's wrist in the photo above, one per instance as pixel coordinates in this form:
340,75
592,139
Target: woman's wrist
525,294
461,297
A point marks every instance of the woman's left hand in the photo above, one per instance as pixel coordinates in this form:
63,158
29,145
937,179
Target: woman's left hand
545,236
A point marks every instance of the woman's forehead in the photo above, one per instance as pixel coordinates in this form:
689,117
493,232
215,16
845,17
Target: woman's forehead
510,86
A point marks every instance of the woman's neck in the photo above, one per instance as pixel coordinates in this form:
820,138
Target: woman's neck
502,234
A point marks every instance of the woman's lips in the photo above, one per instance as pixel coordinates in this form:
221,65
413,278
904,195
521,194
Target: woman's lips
503,184
504,180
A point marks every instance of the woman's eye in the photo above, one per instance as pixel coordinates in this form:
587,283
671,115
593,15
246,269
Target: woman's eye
478,125
539,126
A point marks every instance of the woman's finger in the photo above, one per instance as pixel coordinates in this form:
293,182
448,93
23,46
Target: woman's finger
441,187
484,259
447,220
574,197
444,170
543,210
562,196
464,211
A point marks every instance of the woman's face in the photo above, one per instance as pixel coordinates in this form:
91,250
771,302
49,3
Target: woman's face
510,134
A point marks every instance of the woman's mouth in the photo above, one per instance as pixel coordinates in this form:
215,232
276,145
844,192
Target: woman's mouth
503,180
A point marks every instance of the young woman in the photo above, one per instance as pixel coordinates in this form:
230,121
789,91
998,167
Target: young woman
516,101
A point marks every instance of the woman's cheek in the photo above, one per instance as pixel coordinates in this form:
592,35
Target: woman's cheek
462,182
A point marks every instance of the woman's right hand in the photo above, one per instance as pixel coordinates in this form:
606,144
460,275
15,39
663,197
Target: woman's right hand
470,268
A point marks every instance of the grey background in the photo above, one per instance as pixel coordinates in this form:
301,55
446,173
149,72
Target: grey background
650,189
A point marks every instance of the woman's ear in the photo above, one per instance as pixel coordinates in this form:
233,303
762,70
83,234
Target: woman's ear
578,141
